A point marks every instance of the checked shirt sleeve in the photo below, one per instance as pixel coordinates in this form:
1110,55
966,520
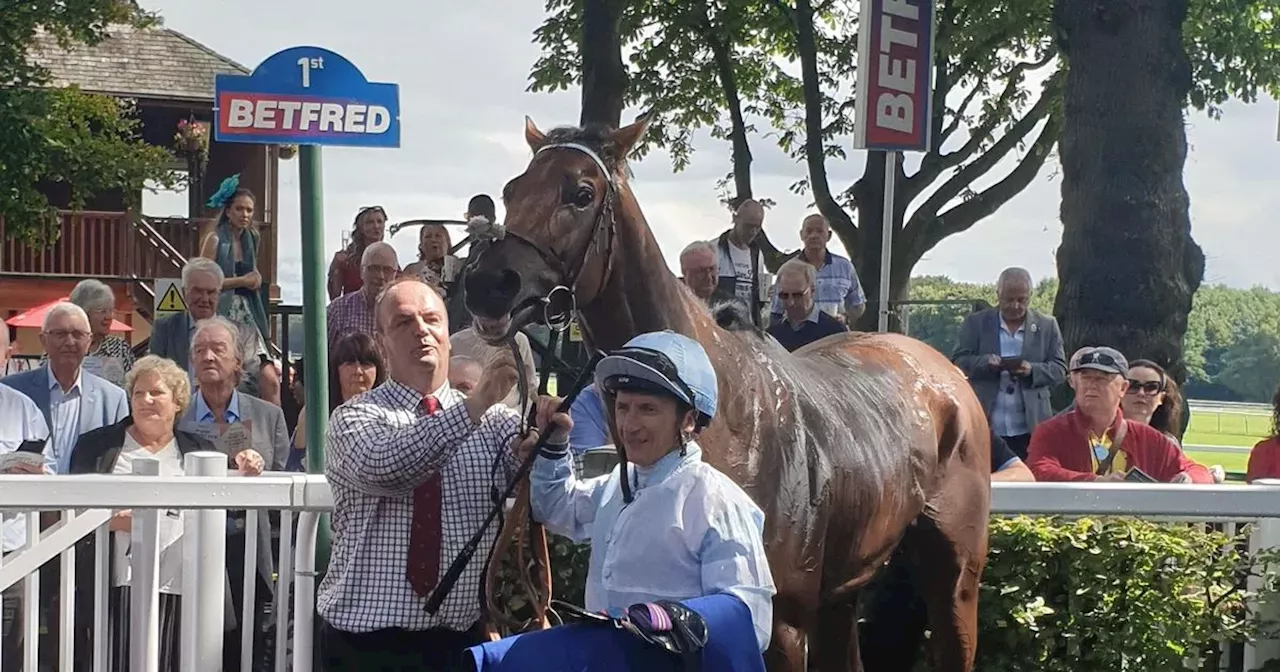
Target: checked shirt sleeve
383,458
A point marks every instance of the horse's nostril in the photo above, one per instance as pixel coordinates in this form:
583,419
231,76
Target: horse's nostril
508,284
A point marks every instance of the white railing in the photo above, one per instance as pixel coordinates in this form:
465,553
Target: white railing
206,496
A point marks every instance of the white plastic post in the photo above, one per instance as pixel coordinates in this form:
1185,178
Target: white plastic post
204,570
144,580
304,591
1265,535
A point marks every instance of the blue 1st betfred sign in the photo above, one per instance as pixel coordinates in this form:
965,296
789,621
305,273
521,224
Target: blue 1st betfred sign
306,96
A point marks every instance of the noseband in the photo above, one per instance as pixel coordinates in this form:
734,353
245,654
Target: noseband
604,223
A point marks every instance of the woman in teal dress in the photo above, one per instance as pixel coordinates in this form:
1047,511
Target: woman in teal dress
233,245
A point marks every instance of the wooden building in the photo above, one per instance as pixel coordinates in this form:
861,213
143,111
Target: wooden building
171,78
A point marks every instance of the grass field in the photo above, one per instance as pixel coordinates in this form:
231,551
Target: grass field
1229,429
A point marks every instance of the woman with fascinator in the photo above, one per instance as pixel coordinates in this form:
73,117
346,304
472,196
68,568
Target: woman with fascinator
233,245
344,270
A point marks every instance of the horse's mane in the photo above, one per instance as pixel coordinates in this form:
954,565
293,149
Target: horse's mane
734,315
598,137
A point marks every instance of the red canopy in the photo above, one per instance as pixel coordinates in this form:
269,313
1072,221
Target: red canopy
34,318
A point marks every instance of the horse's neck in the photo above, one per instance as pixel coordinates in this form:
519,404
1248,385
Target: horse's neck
641,294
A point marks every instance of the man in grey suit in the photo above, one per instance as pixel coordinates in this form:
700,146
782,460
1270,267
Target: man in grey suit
1014,358
234,422
171,336
72,400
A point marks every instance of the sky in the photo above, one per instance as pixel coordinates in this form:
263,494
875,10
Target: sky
462,68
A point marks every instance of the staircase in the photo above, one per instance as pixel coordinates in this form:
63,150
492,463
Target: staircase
166,261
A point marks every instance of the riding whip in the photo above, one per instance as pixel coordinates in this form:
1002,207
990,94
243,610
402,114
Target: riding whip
469,550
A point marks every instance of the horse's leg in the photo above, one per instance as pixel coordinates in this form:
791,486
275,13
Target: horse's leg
786,648
792,622
837,638
951,549
891,635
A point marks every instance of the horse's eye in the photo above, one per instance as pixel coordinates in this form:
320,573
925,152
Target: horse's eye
583,197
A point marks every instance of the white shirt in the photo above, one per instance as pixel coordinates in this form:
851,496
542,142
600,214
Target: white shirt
64,411
740,257
690,531
380,446
170,521
22,422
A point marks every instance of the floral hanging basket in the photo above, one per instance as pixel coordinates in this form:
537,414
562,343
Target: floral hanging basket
192,139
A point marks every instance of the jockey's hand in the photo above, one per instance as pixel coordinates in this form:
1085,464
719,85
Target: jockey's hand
1182,477
560,424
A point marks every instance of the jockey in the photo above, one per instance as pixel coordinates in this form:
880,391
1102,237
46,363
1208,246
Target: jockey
675,528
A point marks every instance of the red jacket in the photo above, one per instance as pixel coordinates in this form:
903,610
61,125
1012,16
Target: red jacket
1059,451
1264,460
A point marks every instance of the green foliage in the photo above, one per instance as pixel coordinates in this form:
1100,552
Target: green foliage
998,87
87,143
1232,345
1094,594
1107,595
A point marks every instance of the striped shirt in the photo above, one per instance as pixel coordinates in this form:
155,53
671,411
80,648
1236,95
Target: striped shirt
381,446
836,289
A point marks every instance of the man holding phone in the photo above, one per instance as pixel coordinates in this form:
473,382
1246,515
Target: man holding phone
23,431
1014,358
1095,442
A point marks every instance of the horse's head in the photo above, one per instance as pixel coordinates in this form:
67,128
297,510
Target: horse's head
553,252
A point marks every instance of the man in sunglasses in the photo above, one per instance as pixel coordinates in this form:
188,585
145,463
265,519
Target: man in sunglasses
674,528
801,321
1094,442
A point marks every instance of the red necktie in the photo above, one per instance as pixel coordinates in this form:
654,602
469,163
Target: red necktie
423,570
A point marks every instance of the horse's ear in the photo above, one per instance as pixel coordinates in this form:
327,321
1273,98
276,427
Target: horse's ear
533,136
627,137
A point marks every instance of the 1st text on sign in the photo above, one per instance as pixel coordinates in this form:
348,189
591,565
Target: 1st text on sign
896,111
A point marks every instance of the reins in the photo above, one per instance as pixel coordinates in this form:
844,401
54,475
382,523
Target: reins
533,546
520,480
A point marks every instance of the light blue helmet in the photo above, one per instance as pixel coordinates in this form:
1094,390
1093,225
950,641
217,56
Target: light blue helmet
663,361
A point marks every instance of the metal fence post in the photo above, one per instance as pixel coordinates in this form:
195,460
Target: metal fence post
144,580
204,571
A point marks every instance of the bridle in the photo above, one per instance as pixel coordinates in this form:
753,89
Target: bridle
559,308
603,225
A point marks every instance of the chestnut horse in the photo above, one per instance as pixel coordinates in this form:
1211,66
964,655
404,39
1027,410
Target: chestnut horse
850,445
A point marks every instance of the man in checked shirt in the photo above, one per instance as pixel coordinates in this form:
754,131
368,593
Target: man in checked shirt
411,464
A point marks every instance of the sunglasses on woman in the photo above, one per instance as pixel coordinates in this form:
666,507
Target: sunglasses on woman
1149,386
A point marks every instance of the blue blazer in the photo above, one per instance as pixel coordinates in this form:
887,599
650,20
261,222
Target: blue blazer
101,402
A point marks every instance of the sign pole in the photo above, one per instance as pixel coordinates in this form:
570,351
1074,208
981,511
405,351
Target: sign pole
886,237
315,345
311,97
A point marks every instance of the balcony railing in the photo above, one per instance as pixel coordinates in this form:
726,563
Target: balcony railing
92,244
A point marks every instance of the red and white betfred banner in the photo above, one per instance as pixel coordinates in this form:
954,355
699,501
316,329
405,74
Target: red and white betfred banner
895,75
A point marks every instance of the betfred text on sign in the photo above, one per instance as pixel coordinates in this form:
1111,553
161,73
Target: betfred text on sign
895,75
254,113
307,96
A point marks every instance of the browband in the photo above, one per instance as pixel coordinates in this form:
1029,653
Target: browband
608,174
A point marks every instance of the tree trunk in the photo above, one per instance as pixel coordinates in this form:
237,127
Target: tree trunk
1127,265
604,78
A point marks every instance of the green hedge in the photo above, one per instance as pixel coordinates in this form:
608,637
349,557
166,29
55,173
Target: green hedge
1087,595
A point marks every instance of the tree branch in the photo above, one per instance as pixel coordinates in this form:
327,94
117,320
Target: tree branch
964,215
935,162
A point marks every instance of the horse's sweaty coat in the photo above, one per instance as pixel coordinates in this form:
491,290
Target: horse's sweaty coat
850,445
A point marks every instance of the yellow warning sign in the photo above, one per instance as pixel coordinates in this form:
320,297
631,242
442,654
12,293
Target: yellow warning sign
172,301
